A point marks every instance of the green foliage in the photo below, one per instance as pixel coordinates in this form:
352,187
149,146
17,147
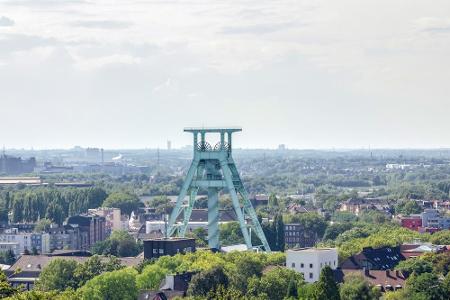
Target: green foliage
356,288
95,266
415,265
41,295
355,239
425,286
125,201
120,244
42,225
207,281
439,261
441,237
6,290
334,230
344,217
230,234
161,204
313,225
326,287
7,257
276,283
58,275
373,217
115,285
408,207
55,204
151,277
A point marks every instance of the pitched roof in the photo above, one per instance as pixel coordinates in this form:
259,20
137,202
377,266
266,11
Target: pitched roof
385,279
383,258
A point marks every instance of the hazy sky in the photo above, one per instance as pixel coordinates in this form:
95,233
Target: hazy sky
310,74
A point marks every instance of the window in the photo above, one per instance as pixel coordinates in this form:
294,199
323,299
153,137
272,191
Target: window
293,265
321,265
310,266
155,251
161,251
311,275
334,262
302,265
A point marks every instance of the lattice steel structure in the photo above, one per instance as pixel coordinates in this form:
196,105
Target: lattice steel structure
213,169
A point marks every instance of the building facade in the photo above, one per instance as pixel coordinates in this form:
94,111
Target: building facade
91,229
431,218
113,218
296,236
155,248
311,261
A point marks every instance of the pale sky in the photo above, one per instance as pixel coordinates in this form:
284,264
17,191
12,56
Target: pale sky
309,74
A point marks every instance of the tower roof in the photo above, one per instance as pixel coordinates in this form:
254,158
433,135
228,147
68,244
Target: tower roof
212,129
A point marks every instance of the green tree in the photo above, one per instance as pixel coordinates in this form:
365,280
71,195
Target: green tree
279,229
6,290
206,281
115,285
95,266
120,244
125,201
416,265
441,237
275,283
151,277
426,286
356,288
42,225
7,257
58,275
326,287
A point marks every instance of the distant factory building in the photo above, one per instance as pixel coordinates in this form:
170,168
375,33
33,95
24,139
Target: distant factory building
11,165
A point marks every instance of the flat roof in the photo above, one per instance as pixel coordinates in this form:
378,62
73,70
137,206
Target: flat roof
311,249
170,239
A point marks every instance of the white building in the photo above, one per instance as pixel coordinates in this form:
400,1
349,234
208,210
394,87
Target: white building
13,246
310,261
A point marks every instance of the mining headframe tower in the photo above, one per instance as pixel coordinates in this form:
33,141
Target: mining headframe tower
213,169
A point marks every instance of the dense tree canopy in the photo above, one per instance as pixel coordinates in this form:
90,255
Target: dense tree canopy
125,201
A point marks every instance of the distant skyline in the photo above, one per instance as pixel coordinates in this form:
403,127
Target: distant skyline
309,74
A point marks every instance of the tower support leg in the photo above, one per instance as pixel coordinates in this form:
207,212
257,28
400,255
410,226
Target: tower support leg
184,190
213,218
236,205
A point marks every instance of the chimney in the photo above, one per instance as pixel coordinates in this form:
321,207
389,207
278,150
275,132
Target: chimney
388,274
397,273
366,271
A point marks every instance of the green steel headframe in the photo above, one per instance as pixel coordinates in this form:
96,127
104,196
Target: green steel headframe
213,169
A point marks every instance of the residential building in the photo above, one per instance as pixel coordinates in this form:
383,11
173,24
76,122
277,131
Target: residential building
412,222
384,258
64,237
311,261
25,241
433,219
417,249
296,235
113,218
154,248
385,280
10,246
259,200
91,229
